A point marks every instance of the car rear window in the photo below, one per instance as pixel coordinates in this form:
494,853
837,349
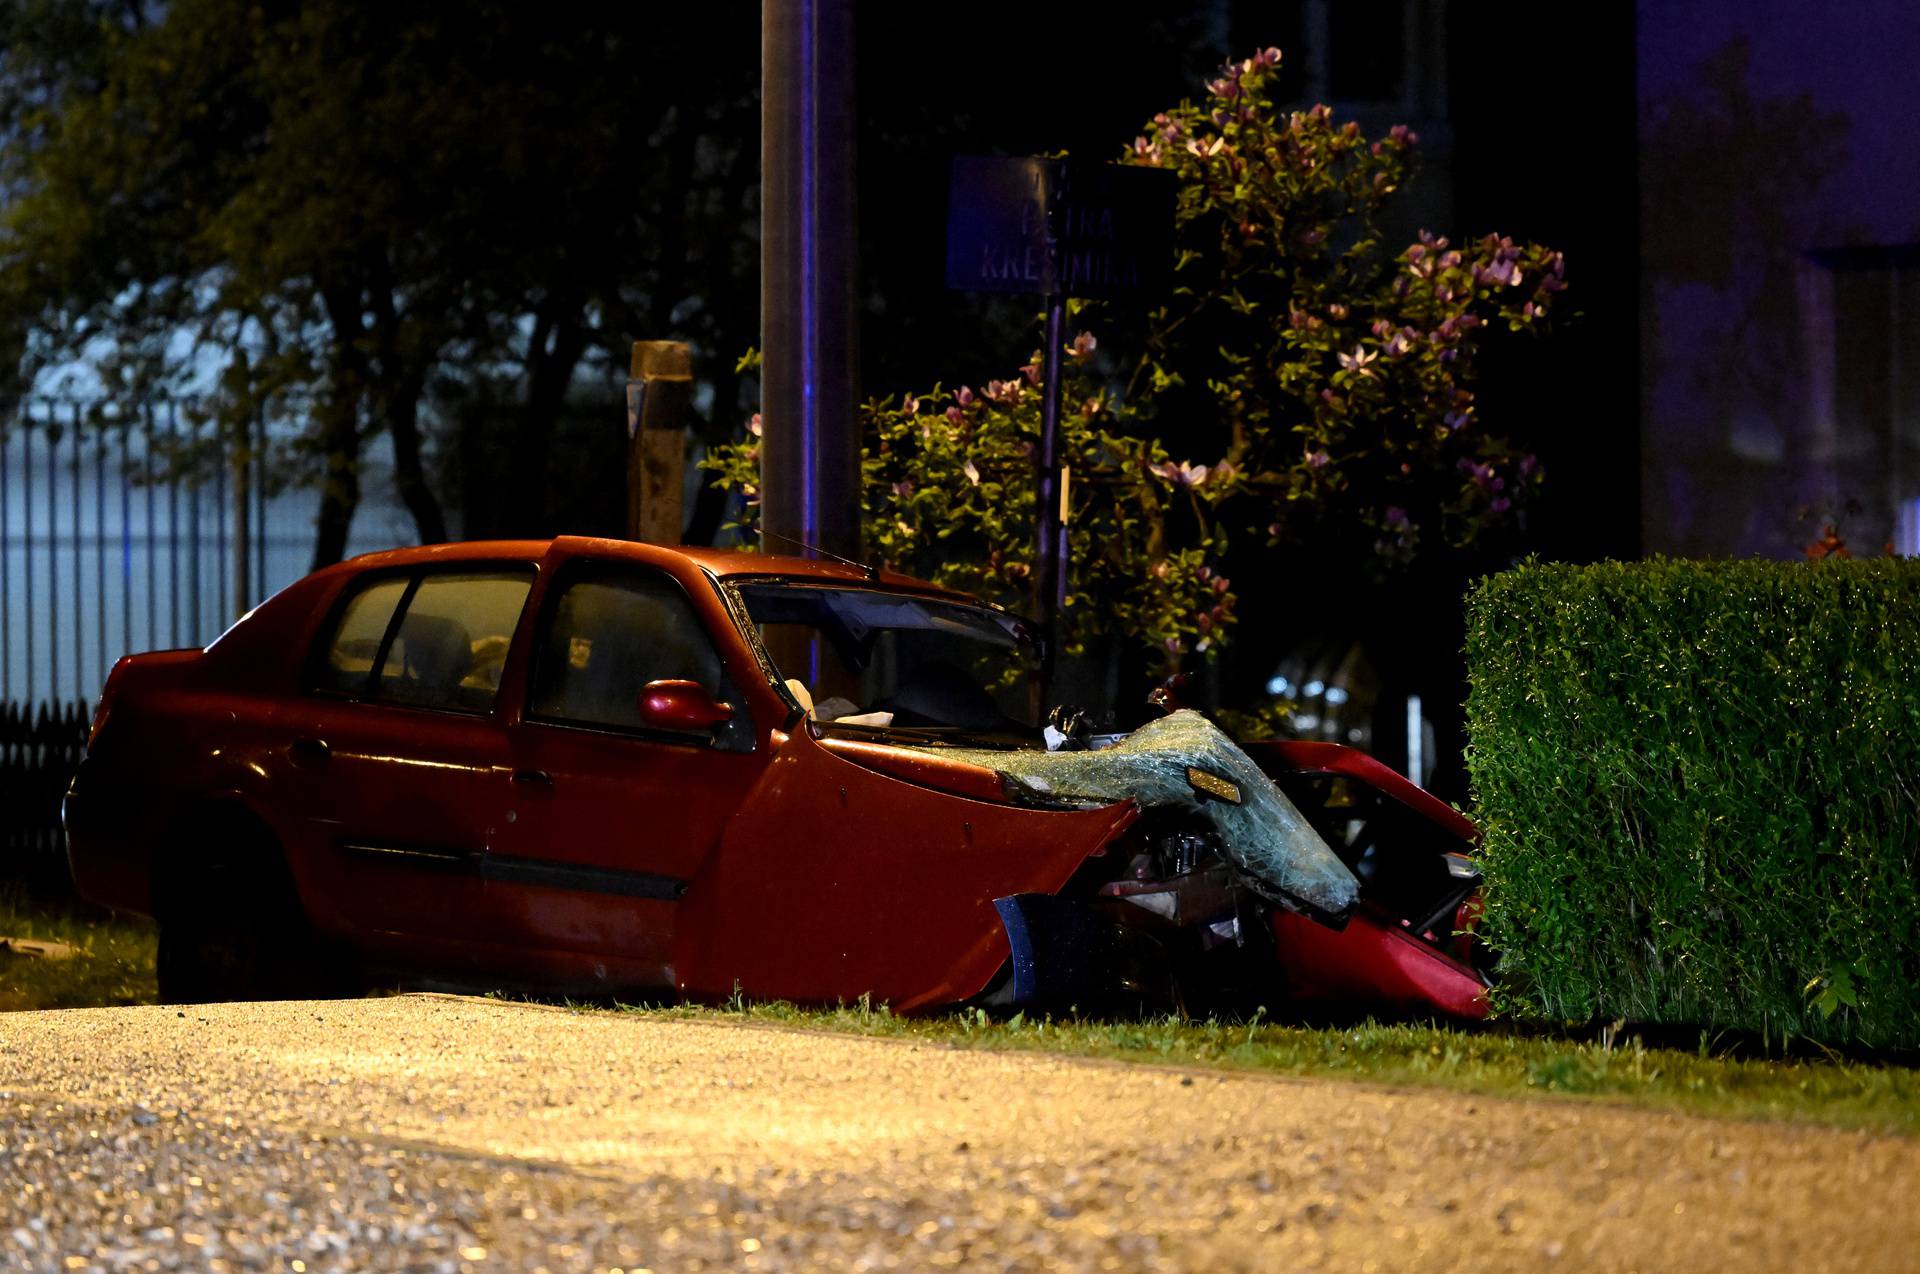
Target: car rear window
439,640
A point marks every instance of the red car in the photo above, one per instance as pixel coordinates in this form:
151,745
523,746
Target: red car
597,767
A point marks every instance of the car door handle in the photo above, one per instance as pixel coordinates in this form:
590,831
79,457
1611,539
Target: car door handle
309,753
538,777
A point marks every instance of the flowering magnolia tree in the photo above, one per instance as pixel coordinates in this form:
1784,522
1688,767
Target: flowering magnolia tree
949,493
1302,386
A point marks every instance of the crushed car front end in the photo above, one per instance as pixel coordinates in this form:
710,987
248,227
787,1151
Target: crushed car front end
916,841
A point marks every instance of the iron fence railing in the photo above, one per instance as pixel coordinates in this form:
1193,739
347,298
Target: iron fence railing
139,528
40,748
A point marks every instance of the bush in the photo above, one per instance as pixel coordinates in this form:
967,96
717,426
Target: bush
1699,785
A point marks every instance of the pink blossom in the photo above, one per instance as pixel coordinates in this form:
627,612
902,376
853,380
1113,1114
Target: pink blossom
753,424
963,396
1082,345
955,415
1183,474
902,490
909,404
972,471
1358,360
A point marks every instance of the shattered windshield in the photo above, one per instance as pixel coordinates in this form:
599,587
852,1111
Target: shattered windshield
865,657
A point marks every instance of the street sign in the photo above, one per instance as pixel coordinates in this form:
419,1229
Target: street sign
1057,228
1054,227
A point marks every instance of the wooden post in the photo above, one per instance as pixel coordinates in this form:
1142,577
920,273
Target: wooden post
659,392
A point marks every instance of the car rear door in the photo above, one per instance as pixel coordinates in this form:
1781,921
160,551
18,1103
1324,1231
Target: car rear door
611,818
399,764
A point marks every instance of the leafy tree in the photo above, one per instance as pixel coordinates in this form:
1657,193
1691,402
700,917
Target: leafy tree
364,216
1302,388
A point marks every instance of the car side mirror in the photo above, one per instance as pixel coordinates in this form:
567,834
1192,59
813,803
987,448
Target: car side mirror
681,705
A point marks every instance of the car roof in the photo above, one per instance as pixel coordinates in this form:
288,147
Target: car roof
722,563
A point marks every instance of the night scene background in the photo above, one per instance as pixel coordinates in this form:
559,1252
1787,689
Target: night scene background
1727,375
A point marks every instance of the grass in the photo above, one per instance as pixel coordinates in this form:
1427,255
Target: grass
1502,1061
1496,1061
115,964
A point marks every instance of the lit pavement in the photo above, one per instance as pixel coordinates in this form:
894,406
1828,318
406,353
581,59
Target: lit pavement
434,1133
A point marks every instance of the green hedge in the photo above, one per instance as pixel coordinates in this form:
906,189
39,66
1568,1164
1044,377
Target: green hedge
1699,785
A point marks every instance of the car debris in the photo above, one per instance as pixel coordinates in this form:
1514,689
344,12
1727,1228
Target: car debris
1184,762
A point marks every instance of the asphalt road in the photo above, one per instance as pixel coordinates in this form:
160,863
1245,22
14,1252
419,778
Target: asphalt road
429,1133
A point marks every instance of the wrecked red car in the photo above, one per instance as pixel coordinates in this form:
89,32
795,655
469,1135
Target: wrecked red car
597,767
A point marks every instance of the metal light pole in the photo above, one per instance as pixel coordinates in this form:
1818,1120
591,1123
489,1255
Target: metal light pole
810,449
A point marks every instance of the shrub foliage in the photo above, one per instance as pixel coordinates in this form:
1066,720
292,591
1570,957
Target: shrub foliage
1699,785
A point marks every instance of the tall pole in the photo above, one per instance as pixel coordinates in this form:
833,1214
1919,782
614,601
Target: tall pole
1050,556
810,448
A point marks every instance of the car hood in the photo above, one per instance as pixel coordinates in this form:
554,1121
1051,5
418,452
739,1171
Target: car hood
1182,761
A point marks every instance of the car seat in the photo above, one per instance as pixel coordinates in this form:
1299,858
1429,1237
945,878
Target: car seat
436,656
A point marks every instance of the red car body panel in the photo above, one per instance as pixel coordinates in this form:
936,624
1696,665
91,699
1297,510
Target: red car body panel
1373,955
1308,756
835,876
493,848
1370,961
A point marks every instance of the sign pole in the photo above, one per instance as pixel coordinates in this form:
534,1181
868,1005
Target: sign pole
1056,228
1050,556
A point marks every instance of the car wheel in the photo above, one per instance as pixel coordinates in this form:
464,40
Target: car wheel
232,927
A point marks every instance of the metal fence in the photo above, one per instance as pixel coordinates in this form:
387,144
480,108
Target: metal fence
136,530
124,530
39,752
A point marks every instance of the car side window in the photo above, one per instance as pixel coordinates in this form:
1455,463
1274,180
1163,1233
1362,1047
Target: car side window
452,640
607,635
356,639
438,640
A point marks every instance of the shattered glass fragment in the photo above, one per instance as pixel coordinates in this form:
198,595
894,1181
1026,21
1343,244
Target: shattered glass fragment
1276,850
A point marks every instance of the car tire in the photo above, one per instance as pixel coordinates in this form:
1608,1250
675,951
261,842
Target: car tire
231,923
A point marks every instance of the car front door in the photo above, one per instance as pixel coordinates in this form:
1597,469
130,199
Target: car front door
612,817
398,765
